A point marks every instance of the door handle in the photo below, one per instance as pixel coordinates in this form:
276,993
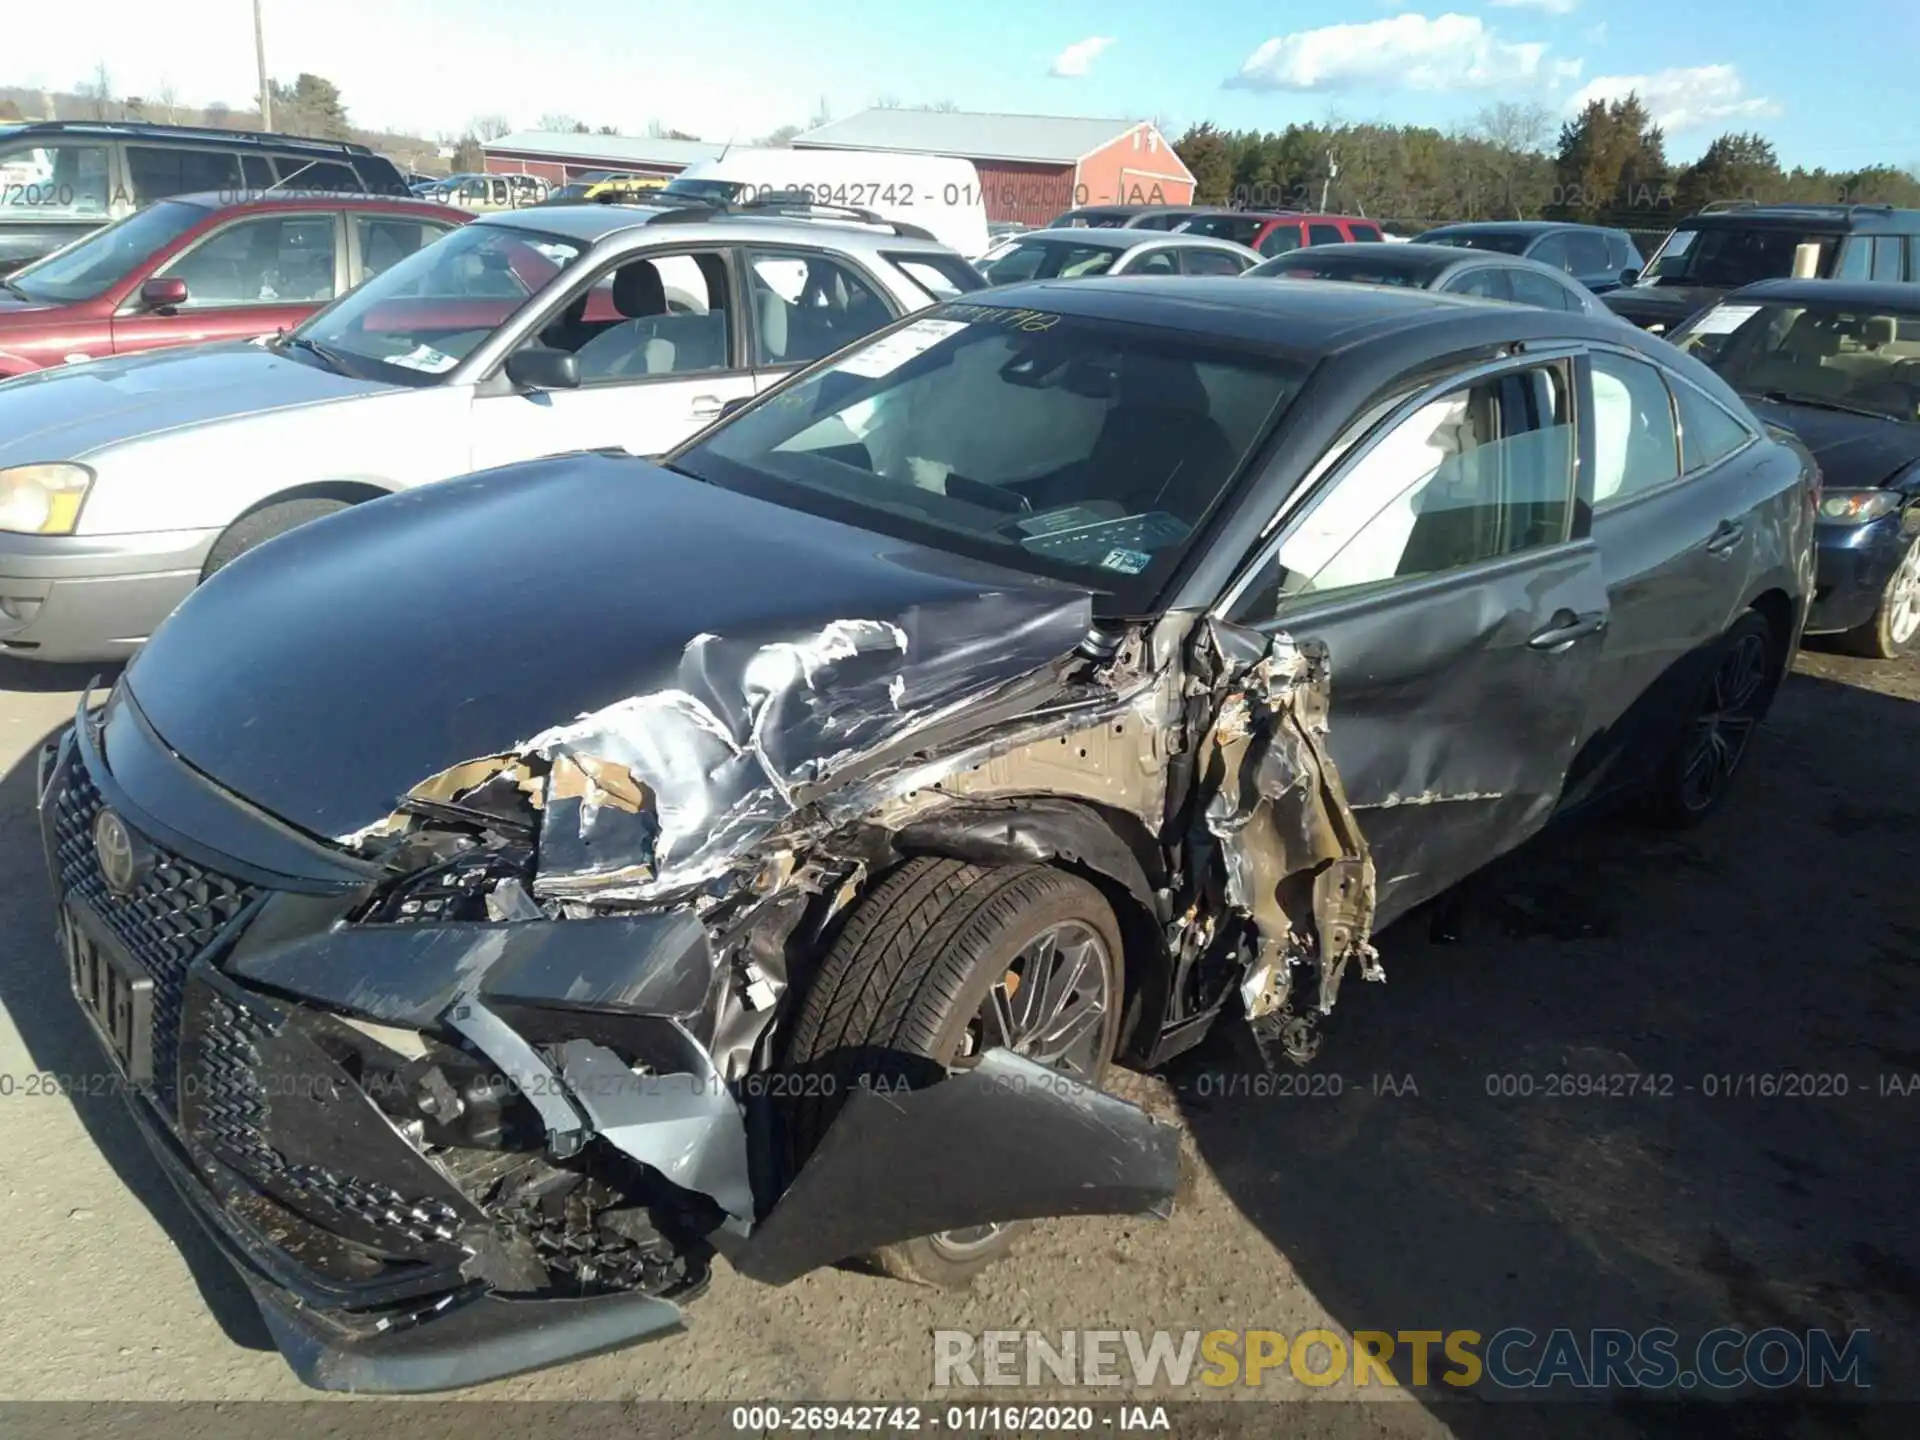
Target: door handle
1726,535
1567,627
705,407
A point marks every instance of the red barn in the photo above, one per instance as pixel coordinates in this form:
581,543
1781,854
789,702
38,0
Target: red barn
1032,167
559,157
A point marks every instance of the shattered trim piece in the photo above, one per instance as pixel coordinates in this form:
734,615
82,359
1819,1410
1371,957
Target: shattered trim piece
567,1128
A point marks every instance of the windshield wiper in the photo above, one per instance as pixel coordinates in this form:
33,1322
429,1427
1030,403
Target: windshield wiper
1814,402
9,286
332,359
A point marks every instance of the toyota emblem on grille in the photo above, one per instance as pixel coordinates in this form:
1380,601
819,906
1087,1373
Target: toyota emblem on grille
123,859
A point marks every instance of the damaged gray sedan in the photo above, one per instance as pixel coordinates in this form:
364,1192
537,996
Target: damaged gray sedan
509,896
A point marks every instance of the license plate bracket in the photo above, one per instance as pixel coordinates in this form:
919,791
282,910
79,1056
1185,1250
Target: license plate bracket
114,990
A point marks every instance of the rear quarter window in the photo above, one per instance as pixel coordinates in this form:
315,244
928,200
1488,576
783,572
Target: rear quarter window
940,277
1366,232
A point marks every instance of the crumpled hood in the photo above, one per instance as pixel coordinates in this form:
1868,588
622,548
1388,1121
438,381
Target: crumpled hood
1664,305
72,411
328,672
1854,451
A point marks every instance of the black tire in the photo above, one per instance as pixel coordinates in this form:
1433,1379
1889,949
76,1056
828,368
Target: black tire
1729,703
1882,637
900,997
261,526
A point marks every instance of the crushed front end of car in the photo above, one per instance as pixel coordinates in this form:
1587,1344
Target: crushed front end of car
489,1081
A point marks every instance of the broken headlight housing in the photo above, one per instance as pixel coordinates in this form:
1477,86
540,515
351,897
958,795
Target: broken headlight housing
451,878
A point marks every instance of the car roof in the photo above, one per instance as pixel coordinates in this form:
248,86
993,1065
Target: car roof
196,135
1306,318
1834,218
1886,295
1123,239
1515,227
592,223
296,199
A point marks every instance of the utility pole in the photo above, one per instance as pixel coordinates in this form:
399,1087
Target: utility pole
260,59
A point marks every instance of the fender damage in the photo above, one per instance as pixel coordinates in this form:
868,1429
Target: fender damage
556,1013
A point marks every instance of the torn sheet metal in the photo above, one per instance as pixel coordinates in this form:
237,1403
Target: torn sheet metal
686,1126
660,792
1005,1139
1295,859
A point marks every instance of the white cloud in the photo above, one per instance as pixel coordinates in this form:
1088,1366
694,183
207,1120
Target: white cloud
1596,34
1408,52
1078,57
1552,7
1682,99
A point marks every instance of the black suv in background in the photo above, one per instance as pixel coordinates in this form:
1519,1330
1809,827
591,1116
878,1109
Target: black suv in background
1740,243
60,179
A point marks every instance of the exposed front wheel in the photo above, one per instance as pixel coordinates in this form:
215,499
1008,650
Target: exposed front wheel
943,961
1896,620
1729,704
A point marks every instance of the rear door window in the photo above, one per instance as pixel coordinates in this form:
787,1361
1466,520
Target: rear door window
1159,261
806,306
1888,257
1587,253
1635,448
1211,262
1553,250
385,240
1539,290
158,172
1487,282
1280,239
330,177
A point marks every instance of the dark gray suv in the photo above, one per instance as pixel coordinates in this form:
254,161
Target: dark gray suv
62,179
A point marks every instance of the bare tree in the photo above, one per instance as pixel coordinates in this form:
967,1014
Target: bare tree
490,127
557,122
97,92
884,101
219,114
168,99
1516,135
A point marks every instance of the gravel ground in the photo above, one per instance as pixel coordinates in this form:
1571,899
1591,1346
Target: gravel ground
1781,938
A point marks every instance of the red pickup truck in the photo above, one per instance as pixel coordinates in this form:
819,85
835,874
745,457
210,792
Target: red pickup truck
204,267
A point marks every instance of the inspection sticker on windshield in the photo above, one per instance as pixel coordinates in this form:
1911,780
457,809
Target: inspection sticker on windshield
1127,562
1724,319
890,352
424,357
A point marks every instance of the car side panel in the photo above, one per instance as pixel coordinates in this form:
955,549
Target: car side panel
1675,582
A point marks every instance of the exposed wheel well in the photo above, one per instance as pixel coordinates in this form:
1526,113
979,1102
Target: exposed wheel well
351,492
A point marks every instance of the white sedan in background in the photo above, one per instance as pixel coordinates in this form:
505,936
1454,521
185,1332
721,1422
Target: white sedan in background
1082,252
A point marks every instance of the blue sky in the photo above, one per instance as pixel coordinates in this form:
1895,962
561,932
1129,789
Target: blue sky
1830,85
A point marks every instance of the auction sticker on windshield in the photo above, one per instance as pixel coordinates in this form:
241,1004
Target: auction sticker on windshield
1724,319
890,352
424,357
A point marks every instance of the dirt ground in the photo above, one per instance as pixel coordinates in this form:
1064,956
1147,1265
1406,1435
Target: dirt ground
1781,939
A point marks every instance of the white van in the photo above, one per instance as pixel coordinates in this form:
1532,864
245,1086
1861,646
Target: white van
936,192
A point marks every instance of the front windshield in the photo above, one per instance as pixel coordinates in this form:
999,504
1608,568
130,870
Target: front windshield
1314,264
1825,355
94,265
422,316
1729,256
1045,260
1108,444
1505,242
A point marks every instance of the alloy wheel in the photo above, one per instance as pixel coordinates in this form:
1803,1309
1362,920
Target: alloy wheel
1052,1007
1903,598
1719,734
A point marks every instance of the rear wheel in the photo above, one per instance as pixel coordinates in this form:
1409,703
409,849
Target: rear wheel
261,526
1896,620
1732,700
945,960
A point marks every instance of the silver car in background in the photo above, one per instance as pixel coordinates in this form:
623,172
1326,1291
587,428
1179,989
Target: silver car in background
1449,269
125,482
1080,252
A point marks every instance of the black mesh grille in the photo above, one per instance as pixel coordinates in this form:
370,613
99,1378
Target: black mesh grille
229,1110
170,917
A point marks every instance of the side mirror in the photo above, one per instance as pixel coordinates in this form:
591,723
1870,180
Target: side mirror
163,294
1629,277
734,404
541,368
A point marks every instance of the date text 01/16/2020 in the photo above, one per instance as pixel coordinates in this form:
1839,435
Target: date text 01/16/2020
959,1419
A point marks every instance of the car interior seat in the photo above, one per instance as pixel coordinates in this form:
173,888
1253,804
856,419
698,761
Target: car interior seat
631,347
1802,363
